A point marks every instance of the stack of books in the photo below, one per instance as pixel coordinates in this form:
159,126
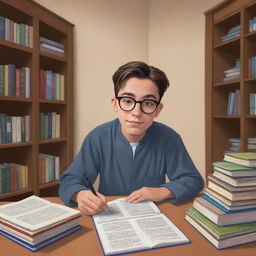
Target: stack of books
35,223
52,47
252,24
251,143
232,33
226,213
232,73
233,106
234,145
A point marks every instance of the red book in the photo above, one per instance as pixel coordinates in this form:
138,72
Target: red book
17,82
42,86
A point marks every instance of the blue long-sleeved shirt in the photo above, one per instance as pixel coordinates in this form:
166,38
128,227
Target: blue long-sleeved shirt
105,151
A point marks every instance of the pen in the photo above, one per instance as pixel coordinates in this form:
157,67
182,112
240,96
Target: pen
92,188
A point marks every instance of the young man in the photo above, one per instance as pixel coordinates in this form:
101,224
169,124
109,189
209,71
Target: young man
132,154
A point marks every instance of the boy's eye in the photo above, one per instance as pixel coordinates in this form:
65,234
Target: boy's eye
149,103
127,101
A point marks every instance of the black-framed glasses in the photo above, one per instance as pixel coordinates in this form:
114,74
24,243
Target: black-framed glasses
146,106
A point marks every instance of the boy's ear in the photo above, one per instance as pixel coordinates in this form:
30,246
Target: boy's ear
159,109
114,104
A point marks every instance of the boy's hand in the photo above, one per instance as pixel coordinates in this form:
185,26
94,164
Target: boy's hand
149,193
90,204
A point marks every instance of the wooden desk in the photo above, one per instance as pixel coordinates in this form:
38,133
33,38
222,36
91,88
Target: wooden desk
85,242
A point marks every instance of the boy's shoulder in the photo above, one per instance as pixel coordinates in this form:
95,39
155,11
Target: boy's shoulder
104,128
164,129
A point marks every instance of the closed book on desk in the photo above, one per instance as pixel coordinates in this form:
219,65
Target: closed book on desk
219,216
128,227
247,194
221,237
241,158
234,170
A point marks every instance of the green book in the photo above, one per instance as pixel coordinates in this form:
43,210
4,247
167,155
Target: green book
242,158
234,170
221,232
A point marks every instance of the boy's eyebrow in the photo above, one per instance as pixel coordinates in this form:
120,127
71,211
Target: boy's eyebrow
133,95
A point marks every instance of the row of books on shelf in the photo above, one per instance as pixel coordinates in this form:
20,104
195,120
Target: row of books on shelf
13,177
14,129
252,103
252,66
41,224
52,85
18,33
49,168
233,106
235,144
226,213
252,24
232,33
232,73
51,46
49,125
14,81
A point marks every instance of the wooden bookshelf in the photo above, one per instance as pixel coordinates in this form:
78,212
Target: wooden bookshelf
219,56
46,24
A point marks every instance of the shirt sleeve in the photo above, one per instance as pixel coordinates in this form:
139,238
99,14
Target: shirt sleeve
84,167
185,180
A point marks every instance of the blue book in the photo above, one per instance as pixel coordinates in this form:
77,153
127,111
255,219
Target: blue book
222,208
2,28
11,80
252,104
49,75
50,42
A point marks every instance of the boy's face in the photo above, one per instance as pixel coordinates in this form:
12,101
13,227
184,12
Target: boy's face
134,123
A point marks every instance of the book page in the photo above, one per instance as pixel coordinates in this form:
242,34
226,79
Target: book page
160,231
34,213
120,209
119,236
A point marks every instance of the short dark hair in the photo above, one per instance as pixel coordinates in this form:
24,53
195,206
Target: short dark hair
140,70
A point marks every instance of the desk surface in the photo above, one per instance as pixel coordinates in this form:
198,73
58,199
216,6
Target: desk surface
85,242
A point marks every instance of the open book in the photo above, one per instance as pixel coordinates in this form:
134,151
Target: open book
126,227
34,213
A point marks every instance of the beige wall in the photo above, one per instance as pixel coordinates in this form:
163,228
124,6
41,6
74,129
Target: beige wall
165,33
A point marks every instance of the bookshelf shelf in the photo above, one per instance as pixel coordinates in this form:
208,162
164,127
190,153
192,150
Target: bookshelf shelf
55,140
228,39
40,22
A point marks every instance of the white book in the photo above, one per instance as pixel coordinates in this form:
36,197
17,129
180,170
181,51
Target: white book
27,82
14,129
27,128
57,126
18,125
35,213
57,168
128,227
53,125
51,47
